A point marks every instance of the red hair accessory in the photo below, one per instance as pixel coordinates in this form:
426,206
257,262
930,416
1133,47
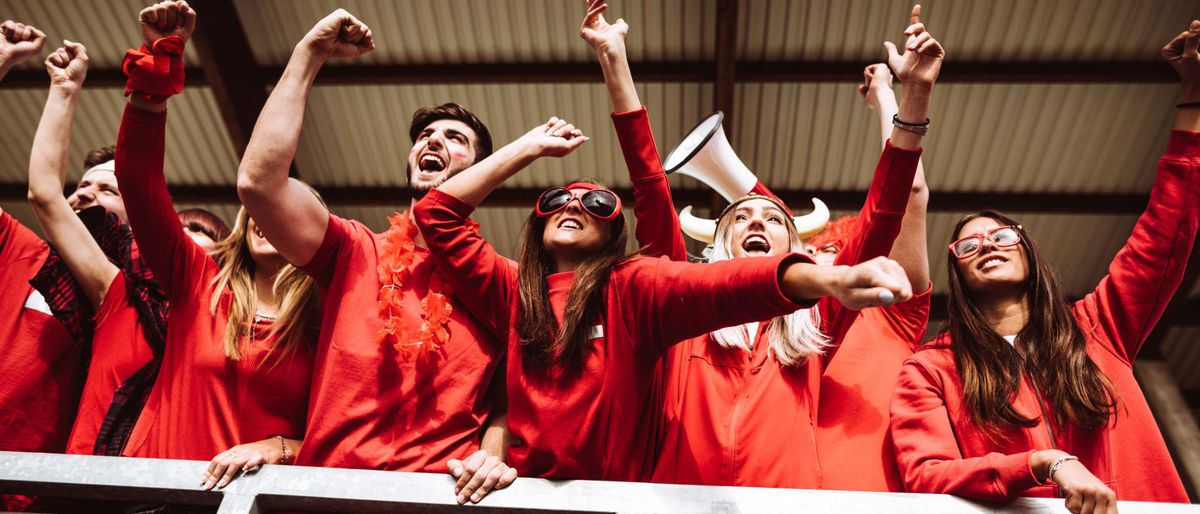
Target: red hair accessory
156,73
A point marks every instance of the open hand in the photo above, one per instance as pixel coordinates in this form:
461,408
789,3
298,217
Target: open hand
339,36
921,61
478,475
555,138
1183,54
19,42
877,86
228,464
68,66
170,18
602,35
877,282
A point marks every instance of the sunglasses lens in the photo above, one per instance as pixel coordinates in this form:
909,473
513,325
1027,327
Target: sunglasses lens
600,202
1006,236
966,247
553,200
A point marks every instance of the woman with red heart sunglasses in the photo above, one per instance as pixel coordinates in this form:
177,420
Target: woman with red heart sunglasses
586,319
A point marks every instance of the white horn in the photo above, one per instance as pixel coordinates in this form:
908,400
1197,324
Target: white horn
705,154
810,224
696,228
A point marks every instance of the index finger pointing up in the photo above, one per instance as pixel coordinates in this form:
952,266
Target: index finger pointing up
915,17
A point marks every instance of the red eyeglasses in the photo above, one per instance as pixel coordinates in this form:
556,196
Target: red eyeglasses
1000,236
599,203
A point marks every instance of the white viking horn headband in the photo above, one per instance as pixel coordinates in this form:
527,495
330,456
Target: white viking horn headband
705,155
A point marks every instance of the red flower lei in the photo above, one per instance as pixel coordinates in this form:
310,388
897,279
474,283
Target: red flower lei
395,268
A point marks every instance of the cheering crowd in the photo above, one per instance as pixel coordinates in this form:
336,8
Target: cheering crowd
793,357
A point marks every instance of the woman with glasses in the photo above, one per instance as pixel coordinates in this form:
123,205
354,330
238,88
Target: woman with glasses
1024,394
586,320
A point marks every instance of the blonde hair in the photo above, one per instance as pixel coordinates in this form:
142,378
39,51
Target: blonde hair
297,309
793,337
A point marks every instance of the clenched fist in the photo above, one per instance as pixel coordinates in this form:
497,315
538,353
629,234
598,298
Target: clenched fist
68,66
170,18
339,36
19,42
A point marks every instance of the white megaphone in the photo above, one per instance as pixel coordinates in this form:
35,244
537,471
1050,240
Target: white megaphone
705,155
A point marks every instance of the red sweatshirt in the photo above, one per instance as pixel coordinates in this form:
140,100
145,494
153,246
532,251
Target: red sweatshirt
202,403
722,405
119,349
595,423
940,450
40,368
373,407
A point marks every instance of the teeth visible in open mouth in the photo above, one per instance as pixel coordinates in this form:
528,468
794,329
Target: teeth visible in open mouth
990,262
431,162
571,224
756,243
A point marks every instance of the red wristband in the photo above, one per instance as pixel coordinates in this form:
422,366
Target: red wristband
155,74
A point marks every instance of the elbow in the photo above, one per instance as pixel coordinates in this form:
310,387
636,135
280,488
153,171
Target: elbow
40,199
249,189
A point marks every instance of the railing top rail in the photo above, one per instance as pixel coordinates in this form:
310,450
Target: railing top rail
347,490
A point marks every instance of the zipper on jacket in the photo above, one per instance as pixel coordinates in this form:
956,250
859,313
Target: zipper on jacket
1045,420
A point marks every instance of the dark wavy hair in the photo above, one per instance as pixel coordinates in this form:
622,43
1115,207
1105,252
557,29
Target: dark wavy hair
1050,350
543,342
99,156
452,111
205,222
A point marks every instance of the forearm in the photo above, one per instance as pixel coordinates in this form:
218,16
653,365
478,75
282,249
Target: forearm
51,146
474,184
911,248
914,108
618,79
1188,118
495,439
802,281
272,147
4,67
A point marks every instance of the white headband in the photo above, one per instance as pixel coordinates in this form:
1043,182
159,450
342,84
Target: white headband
109,166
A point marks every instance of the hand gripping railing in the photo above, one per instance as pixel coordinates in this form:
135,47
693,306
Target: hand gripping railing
360,491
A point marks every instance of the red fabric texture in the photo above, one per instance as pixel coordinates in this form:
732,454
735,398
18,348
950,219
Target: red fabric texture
939,449
854,445
40,367
119,349
202,403
726,411
373,407
155,73
595,422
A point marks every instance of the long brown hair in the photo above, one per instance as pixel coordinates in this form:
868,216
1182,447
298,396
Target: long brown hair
1051,350
543,341
297,309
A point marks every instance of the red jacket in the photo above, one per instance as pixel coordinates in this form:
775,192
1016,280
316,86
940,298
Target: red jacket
727,411
940,450
594,423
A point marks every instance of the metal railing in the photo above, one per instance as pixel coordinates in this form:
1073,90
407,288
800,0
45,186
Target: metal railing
360,491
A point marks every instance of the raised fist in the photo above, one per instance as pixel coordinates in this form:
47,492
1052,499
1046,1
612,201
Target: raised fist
921,61
1183,55
339,36
877,282
602,35
68,65
18,42
170,18
877,85
555,138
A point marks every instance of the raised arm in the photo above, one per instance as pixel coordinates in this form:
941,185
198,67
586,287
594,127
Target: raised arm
1147,271
657,224
18,42
288,214
64,230
911,249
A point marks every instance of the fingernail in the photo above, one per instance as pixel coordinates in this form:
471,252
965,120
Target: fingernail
475,498
462,499
886,297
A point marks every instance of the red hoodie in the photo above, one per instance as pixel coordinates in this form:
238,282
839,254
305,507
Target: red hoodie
940,450
595,423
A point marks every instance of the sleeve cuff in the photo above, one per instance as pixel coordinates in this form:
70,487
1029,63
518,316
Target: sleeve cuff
456,205
1014,473
136,115
634,114
915,154
1183,145
785,303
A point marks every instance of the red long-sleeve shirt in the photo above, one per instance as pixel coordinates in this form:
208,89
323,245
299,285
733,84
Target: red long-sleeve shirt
940,450
594,423
373,407
40,377
723,422
202,403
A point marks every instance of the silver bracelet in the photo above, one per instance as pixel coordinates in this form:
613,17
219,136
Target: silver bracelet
1058,464
919,129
